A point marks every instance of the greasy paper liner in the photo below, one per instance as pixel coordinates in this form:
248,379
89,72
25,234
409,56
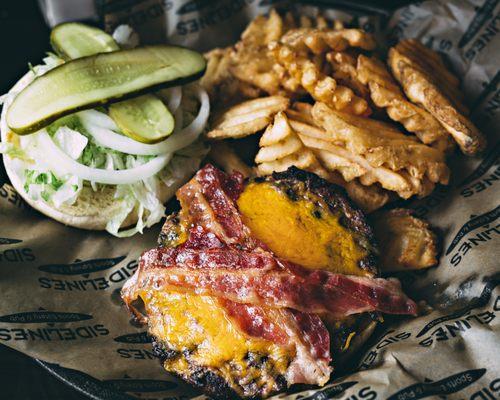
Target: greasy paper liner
60,286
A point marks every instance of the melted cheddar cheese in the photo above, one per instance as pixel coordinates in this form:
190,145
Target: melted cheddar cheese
300,231
198,328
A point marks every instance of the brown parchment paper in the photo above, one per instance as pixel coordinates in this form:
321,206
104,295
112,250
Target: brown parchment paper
59,286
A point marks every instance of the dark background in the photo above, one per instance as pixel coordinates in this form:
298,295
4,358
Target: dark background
24,38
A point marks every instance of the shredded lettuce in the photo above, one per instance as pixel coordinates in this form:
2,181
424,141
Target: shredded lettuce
141,198
70,141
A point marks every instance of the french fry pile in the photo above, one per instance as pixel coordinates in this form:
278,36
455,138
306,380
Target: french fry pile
322,99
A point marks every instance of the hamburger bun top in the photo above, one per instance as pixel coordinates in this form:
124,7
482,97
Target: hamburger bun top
92,209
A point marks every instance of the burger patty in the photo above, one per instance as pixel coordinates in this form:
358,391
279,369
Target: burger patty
235,312
201,344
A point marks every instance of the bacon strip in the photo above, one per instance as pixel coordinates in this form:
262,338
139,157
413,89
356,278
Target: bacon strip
282,326
209,199
260,279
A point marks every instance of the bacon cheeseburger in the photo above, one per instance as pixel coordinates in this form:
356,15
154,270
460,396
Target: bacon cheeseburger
259,285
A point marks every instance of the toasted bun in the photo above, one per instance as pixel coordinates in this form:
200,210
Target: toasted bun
92,210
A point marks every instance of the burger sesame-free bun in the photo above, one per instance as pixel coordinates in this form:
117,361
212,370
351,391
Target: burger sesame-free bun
92,209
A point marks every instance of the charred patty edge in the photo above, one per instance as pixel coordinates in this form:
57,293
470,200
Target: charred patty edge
336,198
207,379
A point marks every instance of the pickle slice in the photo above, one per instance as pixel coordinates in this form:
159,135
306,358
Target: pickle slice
144,118
74,40
101,79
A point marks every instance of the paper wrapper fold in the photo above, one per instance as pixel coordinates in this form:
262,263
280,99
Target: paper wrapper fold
60,286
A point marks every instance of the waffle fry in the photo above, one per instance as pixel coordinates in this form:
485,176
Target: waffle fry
430,63
319,41
219,81
288,146
247,118
399,158
297,121
369,198
385,93
319,86
406,242
345,72
282,148
264,30
438,95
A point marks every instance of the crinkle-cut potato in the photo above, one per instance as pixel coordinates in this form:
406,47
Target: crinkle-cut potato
254,66
303,159
320,86
406,242
247,118
386,93
217,72
319,41
368,198
264,30
283,129
344,71
286,147
381,148
281,148
430,63
221,84
426,81
351,166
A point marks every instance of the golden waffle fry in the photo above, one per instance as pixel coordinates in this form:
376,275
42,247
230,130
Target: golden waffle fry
217,69
264,30
320,87
369,198
282,148
319,41
381,146
437,95
406,242
278,131
386,93
338,159
303,159
222,86
247,118
345,72
430,63
253,65
286,147
294,123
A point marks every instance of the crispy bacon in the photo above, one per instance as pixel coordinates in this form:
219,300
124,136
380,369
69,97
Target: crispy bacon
261,279
255,321
282,326
209,199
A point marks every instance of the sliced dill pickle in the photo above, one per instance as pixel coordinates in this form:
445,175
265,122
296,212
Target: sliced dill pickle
74,40
101,79
145,118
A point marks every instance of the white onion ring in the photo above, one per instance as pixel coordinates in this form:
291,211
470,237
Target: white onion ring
94,117
61,163
107,138
174,98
